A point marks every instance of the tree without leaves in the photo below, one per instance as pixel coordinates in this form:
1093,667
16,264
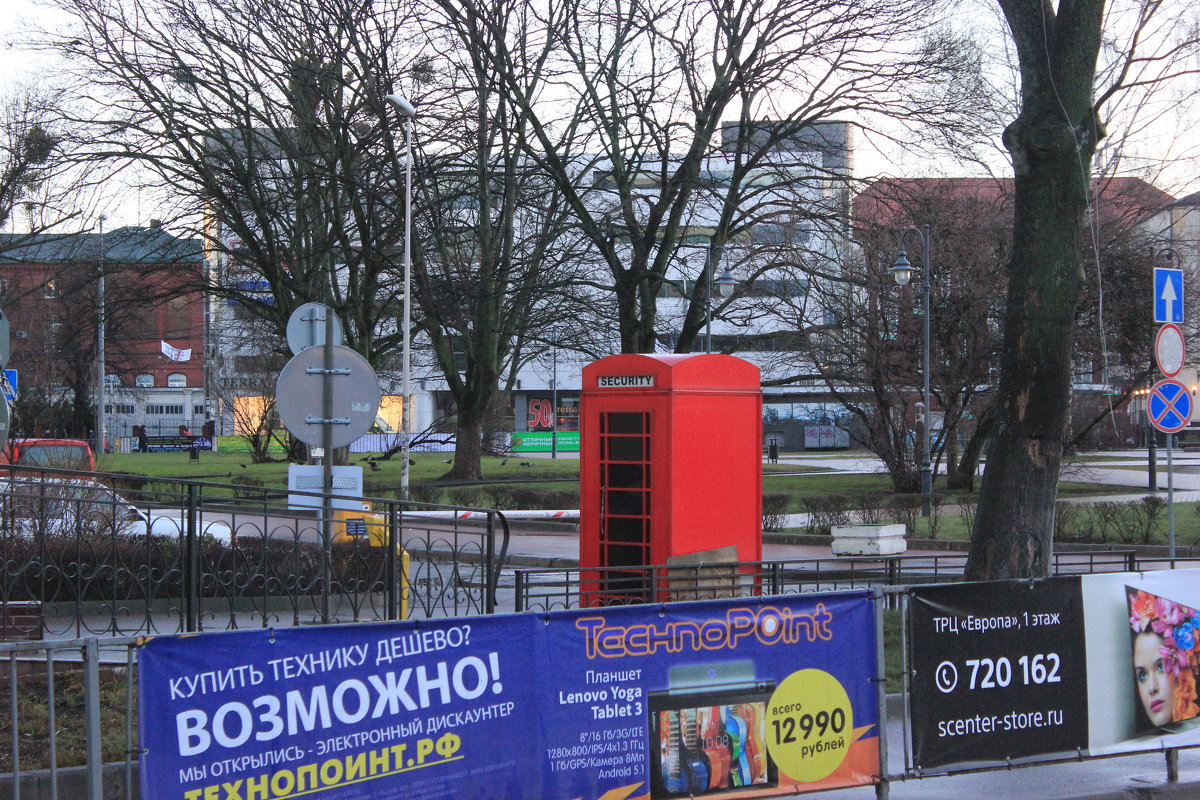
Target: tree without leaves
493,250
626,102
266,121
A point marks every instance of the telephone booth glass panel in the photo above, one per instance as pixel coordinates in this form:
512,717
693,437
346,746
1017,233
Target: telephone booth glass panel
625,491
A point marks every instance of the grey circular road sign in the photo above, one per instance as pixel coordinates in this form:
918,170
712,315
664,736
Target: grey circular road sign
355,391
306,327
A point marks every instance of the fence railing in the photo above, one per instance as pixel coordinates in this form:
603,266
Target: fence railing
546,589
118,555
69,719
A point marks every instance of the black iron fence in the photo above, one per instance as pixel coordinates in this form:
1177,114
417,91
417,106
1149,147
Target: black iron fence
84,553
547,589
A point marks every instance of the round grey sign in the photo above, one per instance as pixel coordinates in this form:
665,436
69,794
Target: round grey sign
306,327
299,396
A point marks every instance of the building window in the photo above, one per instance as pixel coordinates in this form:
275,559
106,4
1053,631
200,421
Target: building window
144,381
165,410
197,411
119,408
176,380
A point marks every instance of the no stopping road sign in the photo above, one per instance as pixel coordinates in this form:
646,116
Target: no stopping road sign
1169,406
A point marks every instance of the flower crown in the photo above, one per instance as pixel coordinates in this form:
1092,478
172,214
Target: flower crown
1177,624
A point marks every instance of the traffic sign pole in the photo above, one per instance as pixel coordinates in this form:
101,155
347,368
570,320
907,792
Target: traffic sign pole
1169,404
1170,503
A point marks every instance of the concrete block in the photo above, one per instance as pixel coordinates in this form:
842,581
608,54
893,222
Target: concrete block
868,540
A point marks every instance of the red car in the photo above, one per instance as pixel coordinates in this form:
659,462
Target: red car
50,453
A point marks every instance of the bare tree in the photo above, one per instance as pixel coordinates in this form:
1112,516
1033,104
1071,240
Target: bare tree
629,103
495,250
265,120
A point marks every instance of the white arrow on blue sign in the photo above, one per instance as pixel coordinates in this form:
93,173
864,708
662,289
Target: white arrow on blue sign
10,385
1169,406
1168,295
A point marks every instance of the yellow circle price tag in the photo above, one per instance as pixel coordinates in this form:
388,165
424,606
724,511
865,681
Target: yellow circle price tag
809,725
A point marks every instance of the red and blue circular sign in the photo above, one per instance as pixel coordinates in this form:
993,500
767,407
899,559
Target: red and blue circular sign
1169,406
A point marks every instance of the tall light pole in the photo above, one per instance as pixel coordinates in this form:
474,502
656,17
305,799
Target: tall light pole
724,285
409,111
100,340
902,271
554,401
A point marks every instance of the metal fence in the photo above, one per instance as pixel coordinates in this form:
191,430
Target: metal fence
69,718
121,555
547,589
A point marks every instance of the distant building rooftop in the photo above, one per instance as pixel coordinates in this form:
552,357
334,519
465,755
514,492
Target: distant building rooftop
130,245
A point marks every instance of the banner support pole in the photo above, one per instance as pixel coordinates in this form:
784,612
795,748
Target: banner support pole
882,788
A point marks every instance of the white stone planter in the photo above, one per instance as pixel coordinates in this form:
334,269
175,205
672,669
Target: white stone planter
868,540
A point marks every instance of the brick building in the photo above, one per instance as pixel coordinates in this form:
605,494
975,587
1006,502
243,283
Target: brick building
154,331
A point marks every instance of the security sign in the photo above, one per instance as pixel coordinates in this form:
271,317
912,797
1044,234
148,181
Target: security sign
1169,406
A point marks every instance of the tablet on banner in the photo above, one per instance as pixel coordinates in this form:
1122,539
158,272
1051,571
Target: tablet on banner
731,699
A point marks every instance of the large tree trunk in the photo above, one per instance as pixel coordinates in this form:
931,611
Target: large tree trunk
1052,142
468,451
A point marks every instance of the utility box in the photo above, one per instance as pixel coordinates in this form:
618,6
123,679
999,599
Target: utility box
670,464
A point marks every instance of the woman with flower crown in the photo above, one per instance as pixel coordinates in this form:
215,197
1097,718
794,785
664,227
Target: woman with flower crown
1166,658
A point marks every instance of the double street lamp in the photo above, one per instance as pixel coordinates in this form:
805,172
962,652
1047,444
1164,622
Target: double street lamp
409,111
902,271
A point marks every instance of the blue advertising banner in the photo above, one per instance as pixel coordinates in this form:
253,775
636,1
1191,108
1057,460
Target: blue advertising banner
741,698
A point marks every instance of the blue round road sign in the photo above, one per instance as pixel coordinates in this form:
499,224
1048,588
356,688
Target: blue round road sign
1169,406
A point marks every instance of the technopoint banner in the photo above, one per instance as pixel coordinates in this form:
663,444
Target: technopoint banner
1022,670
736,699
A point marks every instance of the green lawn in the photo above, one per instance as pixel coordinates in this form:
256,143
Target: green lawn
222,467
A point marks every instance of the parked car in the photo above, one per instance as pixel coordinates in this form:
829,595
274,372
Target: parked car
49,453
32,505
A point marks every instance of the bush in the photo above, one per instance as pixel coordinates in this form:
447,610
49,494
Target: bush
1072,523
774,510
872,507
424,493
1146,517
825,512
905,509
967,504
248,487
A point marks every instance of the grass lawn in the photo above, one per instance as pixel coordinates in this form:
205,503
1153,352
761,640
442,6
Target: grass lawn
429,467
561,475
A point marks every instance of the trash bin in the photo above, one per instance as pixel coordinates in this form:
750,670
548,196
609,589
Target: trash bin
773,452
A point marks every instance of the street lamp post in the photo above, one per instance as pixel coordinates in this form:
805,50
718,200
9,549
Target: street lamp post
724,285
902,272
406,108
100,323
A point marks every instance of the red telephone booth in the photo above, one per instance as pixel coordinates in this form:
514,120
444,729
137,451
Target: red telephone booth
670,465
